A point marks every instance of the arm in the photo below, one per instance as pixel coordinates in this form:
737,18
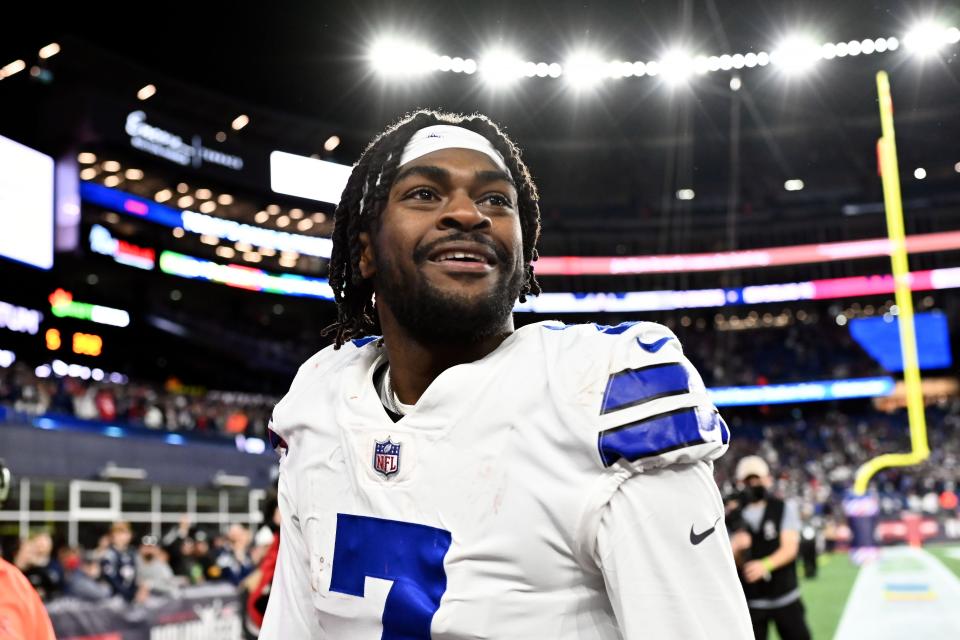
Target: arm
661,584
290,612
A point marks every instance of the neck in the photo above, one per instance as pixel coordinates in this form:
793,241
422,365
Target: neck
415,363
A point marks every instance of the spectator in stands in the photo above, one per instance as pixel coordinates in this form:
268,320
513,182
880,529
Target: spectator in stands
33,558
119,564
233,559
766,558
85,582
259,583
206,568
106,405
179,547
154,571
22,616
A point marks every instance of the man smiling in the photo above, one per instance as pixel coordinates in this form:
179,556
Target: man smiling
457,478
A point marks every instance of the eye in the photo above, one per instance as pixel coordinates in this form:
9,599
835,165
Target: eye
420,193
496,200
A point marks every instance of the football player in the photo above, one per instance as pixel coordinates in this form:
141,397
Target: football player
459,478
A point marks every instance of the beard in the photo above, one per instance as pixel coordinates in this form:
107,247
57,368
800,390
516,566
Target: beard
432,315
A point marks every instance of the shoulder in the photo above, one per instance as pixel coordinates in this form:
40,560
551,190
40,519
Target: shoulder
329,359
645,402
316,381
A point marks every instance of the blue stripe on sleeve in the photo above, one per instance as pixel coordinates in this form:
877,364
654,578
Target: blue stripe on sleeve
637,386
652,436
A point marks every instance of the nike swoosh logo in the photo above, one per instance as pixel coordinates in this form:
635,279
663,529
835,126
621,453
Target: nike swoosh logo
653,347
697,538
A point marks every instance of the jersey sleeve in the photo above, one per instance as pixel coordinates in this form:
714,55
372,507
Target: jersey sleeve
666,558
647,403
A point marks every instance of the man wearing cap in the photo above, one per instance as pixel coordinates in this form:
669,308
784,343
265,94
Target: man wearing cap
765,551
22,616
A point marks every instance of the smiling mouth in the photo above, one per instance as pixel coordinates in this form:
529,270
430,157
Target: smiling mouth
460,256
463,258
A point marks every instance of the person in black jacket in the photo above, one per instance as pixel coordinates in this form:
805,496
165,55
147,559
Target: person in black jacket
765,548
119,563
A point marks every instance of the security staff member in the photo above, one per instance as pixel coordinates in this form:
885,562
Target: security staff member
765,550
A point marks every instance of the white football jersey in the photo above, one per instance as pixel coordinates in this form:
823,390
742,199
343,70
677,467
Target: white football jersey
559,488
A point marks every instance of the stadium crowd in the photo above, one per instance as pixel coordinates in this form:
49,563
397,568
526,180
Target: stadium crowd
172,408
119,566
815,459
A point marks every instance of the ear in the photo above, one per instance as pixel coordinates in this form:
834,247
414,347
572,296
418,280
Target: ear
368,265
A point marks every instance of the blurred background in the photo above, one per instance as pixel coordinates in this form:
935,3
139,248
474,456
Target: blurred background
168,174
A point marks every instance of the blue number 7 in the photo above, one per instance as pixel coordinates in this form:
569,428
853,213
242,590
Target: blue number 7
411,555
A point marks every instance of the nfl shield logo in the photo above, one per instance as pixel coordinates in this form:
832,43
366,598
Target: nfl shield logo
386,457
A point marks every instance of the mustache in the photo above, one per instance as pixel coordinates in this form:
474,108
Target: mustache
420,253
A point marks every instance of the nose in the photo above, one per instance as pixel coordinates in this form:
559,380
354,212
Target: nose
462,214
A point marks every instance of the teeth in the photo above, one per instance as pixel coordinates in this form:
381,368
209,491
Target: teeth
459,255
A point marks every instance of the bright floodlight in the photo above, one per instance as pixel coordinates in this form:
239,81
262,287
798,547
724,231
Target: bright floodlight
919,173
146,92
500,67
676,66
584,69
793,185
49,51
796,54
685,194
926,38
393,56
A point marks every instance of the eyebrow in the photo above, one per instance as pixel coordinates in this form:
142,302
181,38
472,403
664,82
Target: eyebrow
441,175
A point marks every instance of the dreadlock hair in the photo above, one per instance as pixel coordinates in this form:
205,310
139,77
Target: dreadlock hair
365,197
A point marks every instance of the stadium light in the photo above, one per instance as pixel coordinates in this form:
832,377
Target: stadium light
685,194
501,67
676,66
927,38
797,54
146,92
14,67
395,56
793,185
240,122
584,69
331,143
49,51
919,173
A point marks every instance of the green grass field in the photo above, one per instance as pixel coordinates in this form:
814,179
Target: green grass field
948,555
826,595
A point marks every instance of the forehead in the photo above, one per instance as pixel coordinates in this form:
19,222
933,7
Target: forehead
463,161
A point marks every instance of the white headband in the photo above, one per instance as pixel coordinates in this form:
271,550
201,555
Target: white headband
445,136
